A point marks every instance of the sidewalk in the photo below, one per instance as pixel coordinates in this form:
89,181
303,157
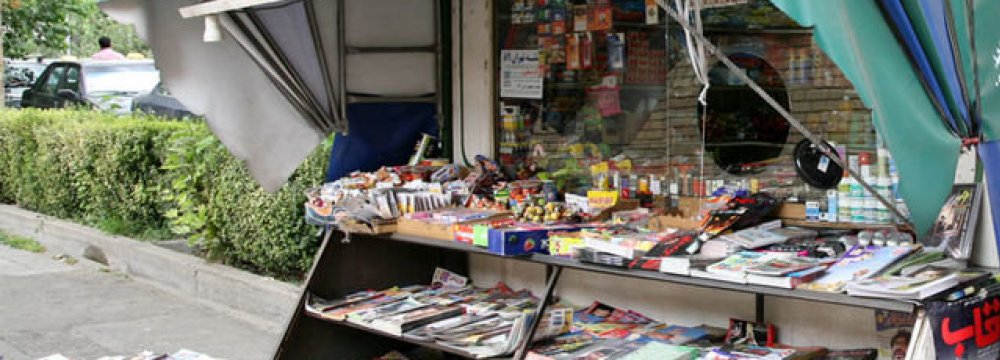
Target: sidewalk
85,311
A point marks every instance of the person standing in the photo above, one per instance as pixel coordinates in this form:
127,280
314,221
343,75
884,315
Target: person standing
106,53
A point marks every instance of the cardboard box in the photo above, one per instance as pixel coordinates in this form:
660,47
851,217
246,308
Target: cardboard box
478,234
353,227
425,229
663,222
438,231
565,244
514,241
621,205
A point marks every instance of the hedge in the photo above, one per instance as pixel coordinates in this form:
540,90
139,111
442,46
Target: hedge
151,178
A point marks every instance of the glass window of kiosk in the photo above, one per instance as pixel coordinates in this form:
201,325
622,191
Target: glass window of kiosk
587,85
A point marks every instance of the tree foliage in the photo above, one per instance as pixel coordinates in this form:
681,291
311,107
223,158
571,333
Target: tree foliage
52,27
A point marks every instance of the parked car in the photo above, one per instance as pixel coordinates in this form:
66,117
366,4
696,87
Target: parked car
19,75
160,102
105,85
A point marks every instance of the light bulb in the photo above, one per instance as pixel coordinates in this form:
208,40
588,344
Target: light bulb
213,31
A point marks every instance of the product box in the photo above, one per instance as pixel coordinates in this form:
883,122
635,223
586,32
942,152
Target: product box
565,244
521,240
478,233
439,230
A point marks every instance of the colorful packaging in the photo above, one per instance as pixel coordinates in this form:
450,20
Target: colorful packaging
521,240
616,51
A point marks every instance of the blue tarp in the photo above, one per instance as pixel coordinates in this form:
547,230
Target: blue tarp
381,134
989,152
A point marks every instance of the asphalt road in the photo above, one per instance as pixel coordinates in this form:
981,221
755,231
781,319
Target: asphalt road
85,312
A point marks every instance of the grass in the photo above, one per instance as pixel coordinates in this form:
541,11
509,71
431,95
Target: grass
21,243
139,231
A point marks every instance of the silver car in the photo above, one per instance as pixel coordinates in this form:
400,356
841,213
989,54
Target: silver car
105,85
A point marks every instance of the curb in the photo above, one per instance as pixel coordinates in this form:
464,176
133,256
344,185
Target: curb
264,301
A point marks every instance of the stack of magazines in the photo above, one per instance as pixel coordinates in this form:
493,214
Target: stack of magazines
482,322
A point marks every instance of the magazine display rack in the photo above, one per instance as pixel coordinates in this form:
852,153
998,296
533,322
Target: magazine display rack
373,262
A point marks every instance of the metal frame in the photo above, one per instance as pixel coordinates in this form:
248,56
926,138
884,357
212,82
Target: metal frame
543,303
220,6
348,98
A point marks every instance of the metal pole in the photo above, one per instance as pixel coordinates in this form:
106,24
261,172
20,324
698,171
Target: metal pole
817,141
543,303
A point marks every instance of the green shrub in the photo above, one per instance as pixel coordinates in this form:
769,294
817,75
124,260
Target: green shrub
150,178
232,219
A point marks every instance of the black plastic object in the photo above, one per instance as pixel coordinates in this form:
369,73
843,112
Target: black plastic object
815,168
743,134
758,206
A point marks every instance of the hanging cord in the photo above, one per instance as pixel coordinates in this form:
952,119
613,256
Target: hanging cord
690,10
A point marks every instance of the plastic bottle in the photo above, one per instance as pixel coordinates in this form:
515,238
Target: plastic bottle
674,198
884,185
832,205
844,199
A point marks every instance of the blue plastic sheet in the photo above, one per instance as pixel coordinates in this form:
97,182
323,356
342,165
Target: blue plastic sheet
381,134
989,153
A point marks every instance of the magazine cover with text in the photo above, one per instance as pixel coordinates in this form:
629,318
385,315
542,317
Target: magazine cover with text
967,329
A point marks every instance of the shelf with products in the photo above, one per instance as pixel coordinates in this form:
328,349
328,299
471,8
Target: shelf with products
845,225
626,86
526,239
339,271
425,344
831,298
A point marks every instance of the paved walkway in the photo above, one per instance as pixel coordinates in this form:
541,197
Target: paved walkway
85,312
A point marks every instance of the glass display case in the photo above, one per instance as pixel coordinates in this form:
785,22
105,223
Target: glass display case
605,88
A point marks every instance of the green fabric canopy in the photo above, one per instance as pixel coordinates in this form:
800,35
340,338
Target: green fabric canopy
855,36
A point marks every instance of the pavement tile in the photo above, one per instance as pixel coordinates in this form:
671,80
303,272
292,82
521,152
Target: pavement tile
49,307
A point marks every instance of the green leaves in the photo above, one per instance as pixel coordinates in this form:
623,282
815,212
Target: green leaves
150,178
50,27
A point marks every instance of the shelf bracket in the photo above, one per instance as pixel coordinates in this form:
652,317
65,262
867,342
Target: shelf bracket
543,303
759,308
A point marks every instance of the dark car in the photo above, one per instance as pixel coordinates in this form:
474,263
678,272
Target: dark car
105,85
19,75
160,102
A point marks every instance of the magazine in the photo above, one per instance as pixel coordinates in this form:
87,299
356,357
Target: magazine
921,285
789,281
858,263
758,236
412,319
783,265
388,309
561,346
853,354
660,351
675,335
966,329
955,227
733,268
668,247
893,331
